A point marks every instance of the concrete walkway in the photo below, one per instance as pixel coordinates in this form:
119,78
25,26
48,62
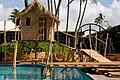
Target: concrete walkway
101,77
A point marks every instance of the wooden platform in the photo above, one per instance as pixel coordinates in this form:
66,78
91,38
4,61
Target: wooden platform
95,55
113,74
84,64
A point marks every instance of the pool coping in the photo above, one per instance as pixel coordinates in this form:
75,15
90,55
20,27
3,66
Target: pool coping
23,65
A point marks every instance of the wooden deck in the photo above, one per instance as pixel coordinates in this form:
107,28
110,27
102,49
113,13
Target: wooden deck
84,64
113,74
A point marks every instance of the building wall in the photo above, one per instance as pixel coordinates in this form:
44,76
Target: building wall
31,32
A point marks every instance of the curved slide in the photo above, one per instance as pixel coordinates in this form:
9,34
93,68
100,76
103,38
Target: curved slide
95,55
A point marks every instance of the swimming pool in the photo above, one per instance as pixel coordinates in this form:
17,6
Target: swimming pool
32,72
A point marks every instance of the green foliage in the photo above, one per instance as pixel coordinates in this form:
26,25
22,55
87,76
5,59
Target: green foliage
28,47
99,19
109,28
10,47
43,46
59,48
66,50
14,14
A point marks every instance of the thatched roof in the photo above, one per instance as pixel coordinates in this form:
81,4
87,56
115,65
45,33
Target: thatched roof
41,8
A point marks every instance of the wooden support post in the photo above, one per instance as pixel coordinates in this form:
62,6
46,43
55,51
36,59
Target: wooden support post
5,46
106,45
15,30
99,46
81,39
48,59
96,42
15,54
69,42
36,50
43,34
75,40
50,47
90,42
18,34
14,74
75,45
90,37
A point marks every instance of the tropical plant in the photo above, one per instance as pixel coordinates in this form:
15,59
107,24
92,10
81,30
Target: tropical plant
10,47
14,14
43,46
99,20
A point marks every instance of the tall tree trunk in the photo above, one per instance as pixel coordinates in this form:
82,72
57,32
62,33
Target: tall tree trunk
79,15
80,4
67,23
86,1
51,6
55,5
57,9
26,3
48,5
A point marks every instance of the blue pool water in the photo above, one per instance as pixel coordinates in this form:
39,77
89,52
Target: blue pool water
30,72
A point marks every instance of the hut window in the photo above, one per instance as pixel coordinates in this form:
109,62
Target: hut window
28,21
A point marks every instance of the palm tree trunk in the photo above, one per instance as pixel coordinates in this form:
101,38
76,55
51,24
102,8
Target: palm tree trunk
51,6
82,16
77,23
86,1
57,10
79,14
48,5
55,5
26,3
67,23
58,18
67,17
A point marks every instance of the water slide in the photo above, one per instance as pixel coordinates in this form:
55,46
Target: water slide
95,55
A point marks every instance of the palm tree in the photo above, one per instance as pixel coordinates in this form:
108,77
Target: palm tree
99,20
14,14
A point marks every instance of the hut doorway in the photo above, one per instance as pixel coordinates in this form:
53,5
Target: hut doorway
42,29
